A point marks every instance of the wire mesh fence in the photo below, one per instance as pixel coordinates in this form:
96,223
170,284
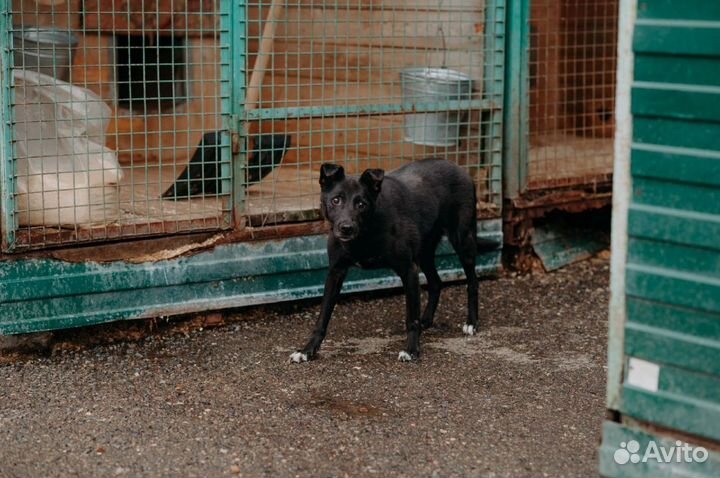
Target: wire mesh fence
111,104
573,57
123,116
345,83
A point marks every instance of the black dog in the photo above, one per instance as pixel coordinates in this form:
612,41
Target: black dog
202,174
397,221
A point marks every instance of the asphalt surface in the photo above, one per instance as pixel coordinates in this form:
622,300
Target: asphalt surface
525,397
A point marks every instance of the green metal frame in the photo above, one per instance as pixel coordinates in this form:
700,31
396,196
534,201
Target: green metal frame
495,14
516,109
238,93
7,184
46,294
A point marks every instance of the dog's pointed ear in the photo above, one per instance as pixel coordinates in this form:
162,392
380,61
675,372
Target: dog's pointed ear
330,174
372,179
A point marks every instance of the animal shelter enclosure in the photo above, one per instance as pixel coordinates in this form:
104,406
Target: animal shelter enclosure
573,56
173,147
561,119
132,119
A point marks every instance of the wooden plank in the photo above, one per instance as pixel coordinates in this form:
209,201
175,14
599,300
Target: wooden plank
396,5
357,140
387,28
140,198
63,14
556,156
545,37
367,64
169,136
138,17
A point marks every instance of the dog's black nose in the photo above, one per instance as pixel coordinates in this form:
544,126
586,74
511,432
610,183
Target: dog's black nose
346,229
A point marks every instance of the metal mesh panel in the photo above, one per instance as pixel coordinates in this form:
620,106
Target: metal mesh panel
573,49
130,134
334,86
110,102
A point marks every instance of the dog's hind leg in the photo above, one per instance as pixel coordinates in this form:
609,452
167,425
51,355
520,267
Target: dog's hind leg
434,286
411,284
463,241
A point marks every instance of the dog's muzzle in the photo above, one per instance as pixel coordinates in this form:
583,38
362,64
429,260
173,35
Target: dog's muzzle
346,231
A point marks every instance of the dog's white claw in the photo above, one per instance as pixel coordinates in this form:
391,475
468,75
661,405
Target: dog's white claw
404,357
468,329
298,357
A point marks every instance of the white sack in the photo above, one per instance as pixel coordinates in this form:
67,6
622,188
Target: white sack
65,174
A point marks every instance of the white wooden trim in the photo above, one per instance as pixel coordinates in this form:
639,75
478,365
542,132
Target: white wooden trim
621,199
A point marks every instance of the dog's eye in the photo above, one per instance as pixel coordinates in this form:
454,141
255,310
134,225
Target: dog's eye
336,200
361,205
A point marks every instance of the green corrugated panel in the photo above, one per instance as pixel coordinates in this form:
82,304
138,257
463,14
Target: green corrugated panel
684,400
675,9
558,244
696,38
45,294
695,70
673,268
687,165
615,435
684,336
676,101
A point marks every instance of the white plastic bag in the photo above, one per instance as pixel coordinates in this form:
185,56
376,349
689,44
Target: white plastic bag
65,174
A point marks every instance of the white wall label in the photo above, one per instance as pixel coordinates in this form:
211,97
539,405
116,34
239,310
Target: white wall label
643,374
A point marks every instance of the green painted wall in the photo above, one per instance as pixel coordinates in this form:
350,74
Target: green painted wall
673,255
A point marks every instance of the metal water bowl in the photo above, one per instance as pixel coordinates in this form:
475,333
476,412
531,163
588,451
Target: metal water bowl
434,85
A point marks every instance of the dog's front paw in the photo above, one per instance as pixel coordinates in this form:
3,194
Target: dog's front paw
406,357
469,329
298,357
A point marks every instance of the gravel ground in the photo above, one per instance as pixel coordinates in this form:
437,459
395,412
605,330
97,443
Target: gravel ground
525,397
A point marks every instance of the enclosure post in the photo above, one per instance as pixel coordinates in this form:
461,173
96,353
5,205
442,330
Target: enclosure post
238,62
495,31
516,108
621,200
7,185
